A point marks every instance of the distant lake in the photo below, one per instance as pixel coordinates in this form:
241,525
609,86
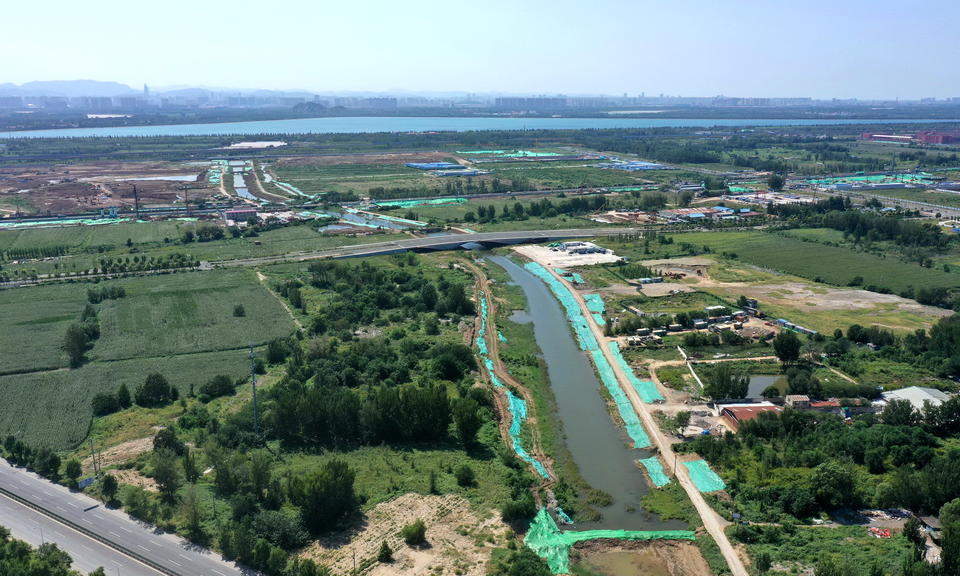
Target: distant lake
364,124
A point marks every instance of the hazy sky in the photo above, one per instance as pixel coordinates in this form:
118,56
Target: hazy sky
818,48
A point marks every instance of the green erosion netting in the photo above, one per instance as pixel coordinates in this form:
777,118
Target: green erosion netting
594,303
655,470
569,276
585,337
740,189
915,178
481,151
645,388
703,477
599,319
588,342
631,422
70,221
517,406
385,217
511,153
501,337
421,202
553,545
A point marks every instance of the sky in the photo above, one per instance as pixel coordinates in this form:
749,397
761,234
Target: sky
815,48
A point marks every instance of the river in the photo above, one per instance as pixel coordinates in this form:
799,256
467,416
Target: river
598,446
366,124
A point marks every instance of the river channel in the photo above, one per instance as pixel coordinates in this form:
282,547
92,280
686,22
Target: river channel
598,447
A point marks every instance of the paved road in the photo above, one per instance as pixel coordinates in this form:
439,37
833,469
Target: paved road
445,242
118,532
88,554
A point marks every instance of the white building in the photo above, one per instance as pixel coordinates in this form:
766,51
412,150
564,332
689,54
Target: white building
916,395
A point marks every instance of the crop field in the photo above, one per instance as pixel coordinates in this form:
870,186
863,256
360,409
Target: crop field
52,408
34,323
269,243
829,264
189,312
78,238
161,315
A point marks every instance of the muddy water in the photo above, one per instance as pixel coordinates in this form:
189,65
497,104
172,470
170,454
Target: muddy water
599,448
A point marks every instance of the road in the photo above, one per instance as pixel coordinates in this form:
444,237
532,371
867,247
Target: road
72,519
88,554
712,522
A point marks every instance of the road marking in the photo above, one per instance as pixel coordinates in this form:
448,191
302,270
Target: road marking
187,558
112,533
172,561
218,572
125,529
143,547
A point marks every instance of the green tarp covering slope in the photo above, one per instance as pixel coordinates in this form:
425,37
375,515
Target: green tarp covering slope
553,545
705,479
645,388
655,470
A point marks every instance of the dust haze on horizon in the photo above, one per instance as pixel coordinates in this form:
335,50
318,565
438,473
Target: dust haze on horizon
878,49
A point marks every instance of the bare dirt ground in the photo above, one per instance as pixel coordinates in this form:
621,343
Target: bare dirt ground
459,540
549,257
119,454
131,477
664,289
64,188
398,158
651,559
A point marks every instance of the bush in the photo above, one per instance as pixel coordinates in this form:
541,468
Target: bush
465,476
155,391
104,404
239,311
217,386
414,534
385,554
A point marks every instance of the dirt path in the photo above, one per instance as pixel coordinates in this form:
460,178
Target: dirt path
263,280
493,352
712,522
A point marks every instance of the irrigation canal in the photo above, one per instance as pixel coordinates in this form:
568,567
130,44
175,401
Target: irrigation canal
600,449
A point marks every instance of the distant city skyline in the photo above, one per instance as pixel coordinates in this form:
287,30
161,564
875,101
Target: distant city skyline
864,49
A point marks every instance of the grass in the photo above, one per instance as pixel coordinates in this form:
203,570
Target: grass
803,547
34,323
384,472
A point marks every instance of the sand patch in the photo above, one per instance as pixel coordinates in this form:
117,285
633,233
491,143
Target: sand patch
459,540
119,454
649,558
131,477
548,257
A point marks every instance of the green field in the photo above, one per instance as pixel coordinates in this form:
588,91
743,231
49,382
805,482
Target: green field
829,264
161,315
52,408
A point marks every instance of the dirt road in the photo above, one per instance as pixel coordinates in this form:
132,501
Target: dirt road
712,522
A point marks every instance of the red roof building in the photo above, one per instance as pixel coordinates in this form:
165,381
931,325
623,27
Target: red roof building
737,414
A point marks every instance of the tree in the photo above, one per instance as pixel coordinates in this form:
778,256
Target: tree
722,382
913,532
414,534
239,311
682,419
166,473
522,562
166,439
221,385
834,485
787,346
465,476
104,404
466,417
190,470
763,562
123,397
385,554
75,344
155,391
193,517
776,182
899,413
72,471
326,496
108,488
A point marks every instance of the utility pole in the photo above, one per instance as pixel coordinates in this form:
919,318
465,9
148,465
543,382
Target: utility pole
136,201
253,383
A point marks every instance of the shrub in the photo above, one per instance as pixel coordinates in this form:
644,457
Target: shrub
155,391
385,554
465,476
104,404
217,386
239,311
414,534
